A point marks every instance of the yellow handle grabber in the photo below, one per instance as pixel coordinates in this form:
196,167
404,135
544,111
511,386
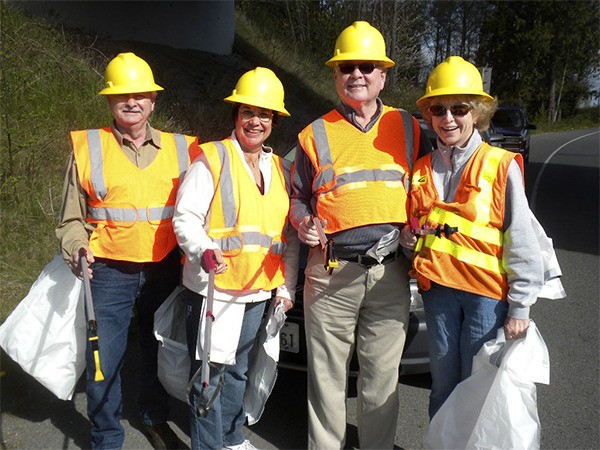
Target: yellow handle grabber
329,259
91,316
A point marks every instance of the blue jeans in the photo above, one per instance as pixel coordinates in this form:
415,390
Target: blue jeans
116,287
458,324
223,424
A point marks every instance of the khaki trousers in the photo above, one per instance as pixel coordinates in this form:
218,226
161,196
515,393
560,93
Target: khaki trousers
366,308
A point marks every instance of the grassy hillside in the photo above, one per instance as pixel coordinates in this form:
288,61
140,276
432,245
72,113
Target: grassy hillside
49,79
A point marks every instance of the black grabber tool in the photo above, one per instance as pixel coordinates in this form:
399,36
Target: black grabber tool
91,316
204,403
422,230
329,260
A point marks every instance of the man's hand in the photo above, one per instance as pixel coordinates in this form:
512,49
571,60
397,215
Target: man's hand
515,328
216,257
75,263
307,232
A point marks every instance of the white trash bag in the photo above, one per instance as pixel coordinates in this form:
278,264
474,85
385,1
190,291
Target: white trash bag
45,334
262,371
496,407
173,358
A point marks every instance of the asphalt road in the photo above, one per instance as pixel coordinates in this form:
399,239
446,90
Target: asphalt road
562,182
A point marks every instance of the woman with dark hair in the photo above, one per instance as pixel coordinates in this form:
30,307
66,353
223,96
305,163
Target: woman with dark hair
232,209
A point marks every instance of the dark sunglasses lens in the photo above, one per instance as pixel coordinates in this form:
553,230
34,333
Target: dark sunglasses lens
346,68
437,110
366,68
459,110
455,110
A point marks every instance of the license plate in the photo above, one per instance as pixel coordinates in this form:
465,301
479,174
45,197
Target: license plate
289,338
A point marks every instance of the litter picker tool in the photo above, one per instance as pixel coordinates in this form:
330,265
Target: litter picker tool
329,259
91,316
210,265
204,403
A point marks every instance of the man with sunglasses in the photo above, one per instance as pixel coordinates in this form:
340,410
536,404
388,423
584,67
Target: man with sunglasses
351,173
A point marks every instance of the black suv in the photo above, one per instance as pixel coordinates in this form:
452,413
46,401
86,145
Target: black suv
511,122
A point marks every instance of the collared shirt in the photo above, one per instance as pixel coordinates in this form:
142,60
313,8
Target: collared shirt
350,115
73,231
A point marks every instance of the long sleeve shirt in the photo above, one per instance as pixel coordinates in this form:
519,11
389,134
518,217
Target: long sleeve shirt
522,257
191,219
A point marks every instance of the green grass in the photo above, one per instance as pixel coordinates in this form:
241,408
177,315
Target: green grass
46,88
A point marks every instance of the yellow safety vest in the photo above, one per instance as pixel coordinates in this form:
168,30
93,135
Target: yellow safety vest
249,227
361,177
131,207
471,258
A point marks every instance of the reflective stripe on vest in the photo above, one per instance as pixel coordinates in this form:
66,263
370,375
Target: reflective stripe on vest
486,181
327,175
131,214
467,255
229,209
99,185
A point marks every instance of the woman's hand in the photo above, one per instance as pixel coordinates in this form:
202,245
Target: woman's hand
407,238
287,303
213,259
515,328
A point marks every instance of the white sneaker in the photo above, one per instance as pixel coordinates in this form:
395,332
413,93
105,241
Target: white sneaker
246,445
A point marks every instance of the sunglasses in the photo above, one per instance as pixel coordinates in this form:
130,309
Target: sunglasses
459,110
365,68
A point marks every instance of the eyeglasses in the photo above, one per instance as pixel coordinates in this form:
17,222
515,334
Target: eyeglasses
459,110
365,68
263,116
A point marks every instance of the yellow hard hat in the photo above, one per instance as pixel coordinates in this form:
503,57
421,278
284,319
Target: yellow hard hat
259,87
128,74
455,76
360,42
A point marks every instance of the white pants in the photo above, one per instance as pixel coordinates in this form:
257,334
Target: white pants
363,307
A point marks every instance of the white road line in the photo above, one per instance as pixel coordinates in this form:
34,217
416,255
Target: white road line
538,179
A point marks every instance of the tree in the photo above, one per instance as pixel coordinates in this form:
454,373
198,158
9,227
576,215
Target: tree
541,51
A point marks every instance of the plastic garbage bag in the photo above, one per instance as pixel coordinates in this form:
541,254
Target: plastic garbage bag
173,358
496,407
45,334
262,372
553,288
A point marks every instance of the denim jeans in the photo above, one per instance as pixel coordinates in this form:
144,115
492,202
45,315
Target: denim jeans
458,324
222,426
116,287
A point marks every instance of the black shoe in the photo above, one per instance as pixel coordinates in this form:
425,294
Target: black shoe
162,437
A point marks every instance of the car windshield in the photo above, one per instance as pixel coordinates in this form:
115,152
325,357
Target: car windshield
508,118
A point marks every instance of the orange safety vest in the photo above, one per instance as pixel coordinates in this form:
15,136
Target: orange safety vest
248,226
131,207
471,258
361,177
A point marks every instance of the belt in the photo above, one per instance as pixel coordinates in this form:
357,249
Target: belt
368,261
